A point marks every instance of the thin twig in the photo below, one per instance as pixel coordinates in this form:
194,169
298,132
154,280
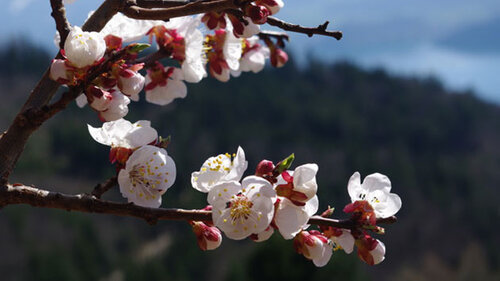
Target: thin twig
102,188
310,31
62,24
22,194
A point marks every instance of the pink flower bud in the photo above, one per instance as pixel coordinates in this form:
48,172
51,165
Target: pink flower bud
209,237
60,72
370,250
278,57
98,98
258,13
314,246
265,167
130,82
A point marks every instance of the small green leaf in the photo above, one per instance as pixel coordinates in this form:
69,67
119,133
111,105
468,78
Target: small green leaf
137,47
284,164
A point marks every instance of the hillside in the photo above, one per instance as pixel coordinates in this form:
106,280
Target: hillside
440,150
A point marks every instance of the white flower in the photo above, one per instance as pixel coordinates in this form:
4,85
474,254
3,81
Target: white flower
242,209
219,168
193,65
122,133
84,48
99,99
127,28
376,190
250,29
117,109
174,88
131,83
254,60
314,246
148,173
232,48
291,219
343,239
304,180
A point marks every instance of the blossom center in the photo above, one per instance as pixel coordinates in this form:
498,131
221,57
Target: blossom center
240,208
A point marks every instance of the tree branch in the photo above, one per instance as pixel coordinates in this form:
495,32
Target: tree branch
62,24
310,31
101,188
13,141
161,3
192,8
22,194
265,34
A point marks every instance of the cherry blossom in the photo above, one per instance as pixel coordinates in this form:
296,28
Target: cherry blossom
163,85
225,53
375,189
274,6
84,48
130,83
218,169
342,238
291,219
147,175
242,209
300,184
118,107
314,246
122,133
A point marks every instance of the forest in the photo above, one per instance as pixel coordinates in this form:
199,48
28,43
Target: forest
438,146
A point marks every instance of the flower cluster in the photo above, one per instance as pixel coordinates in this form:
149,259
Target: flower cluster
279,199
112,75
145,170
274,198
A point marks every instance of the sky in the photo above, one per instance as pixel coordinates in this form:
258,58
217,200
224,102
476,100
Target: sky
457,41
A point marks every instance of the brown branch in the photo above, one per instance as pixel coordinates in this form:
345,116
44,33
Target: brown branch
310,31
193,8
62,24
22,194
160,3
102,188
13,141
265,34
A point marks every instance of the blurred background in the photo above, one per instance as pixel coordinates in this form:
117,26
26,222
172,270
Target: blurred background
411,92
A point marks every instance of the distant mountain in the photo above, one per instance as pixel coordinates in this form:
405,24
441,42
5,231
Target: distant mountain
440,150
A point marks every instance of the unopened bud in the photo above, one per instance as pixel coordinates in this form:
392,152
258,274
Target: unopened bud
98,98
257,13
208,237
278,57
265,167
